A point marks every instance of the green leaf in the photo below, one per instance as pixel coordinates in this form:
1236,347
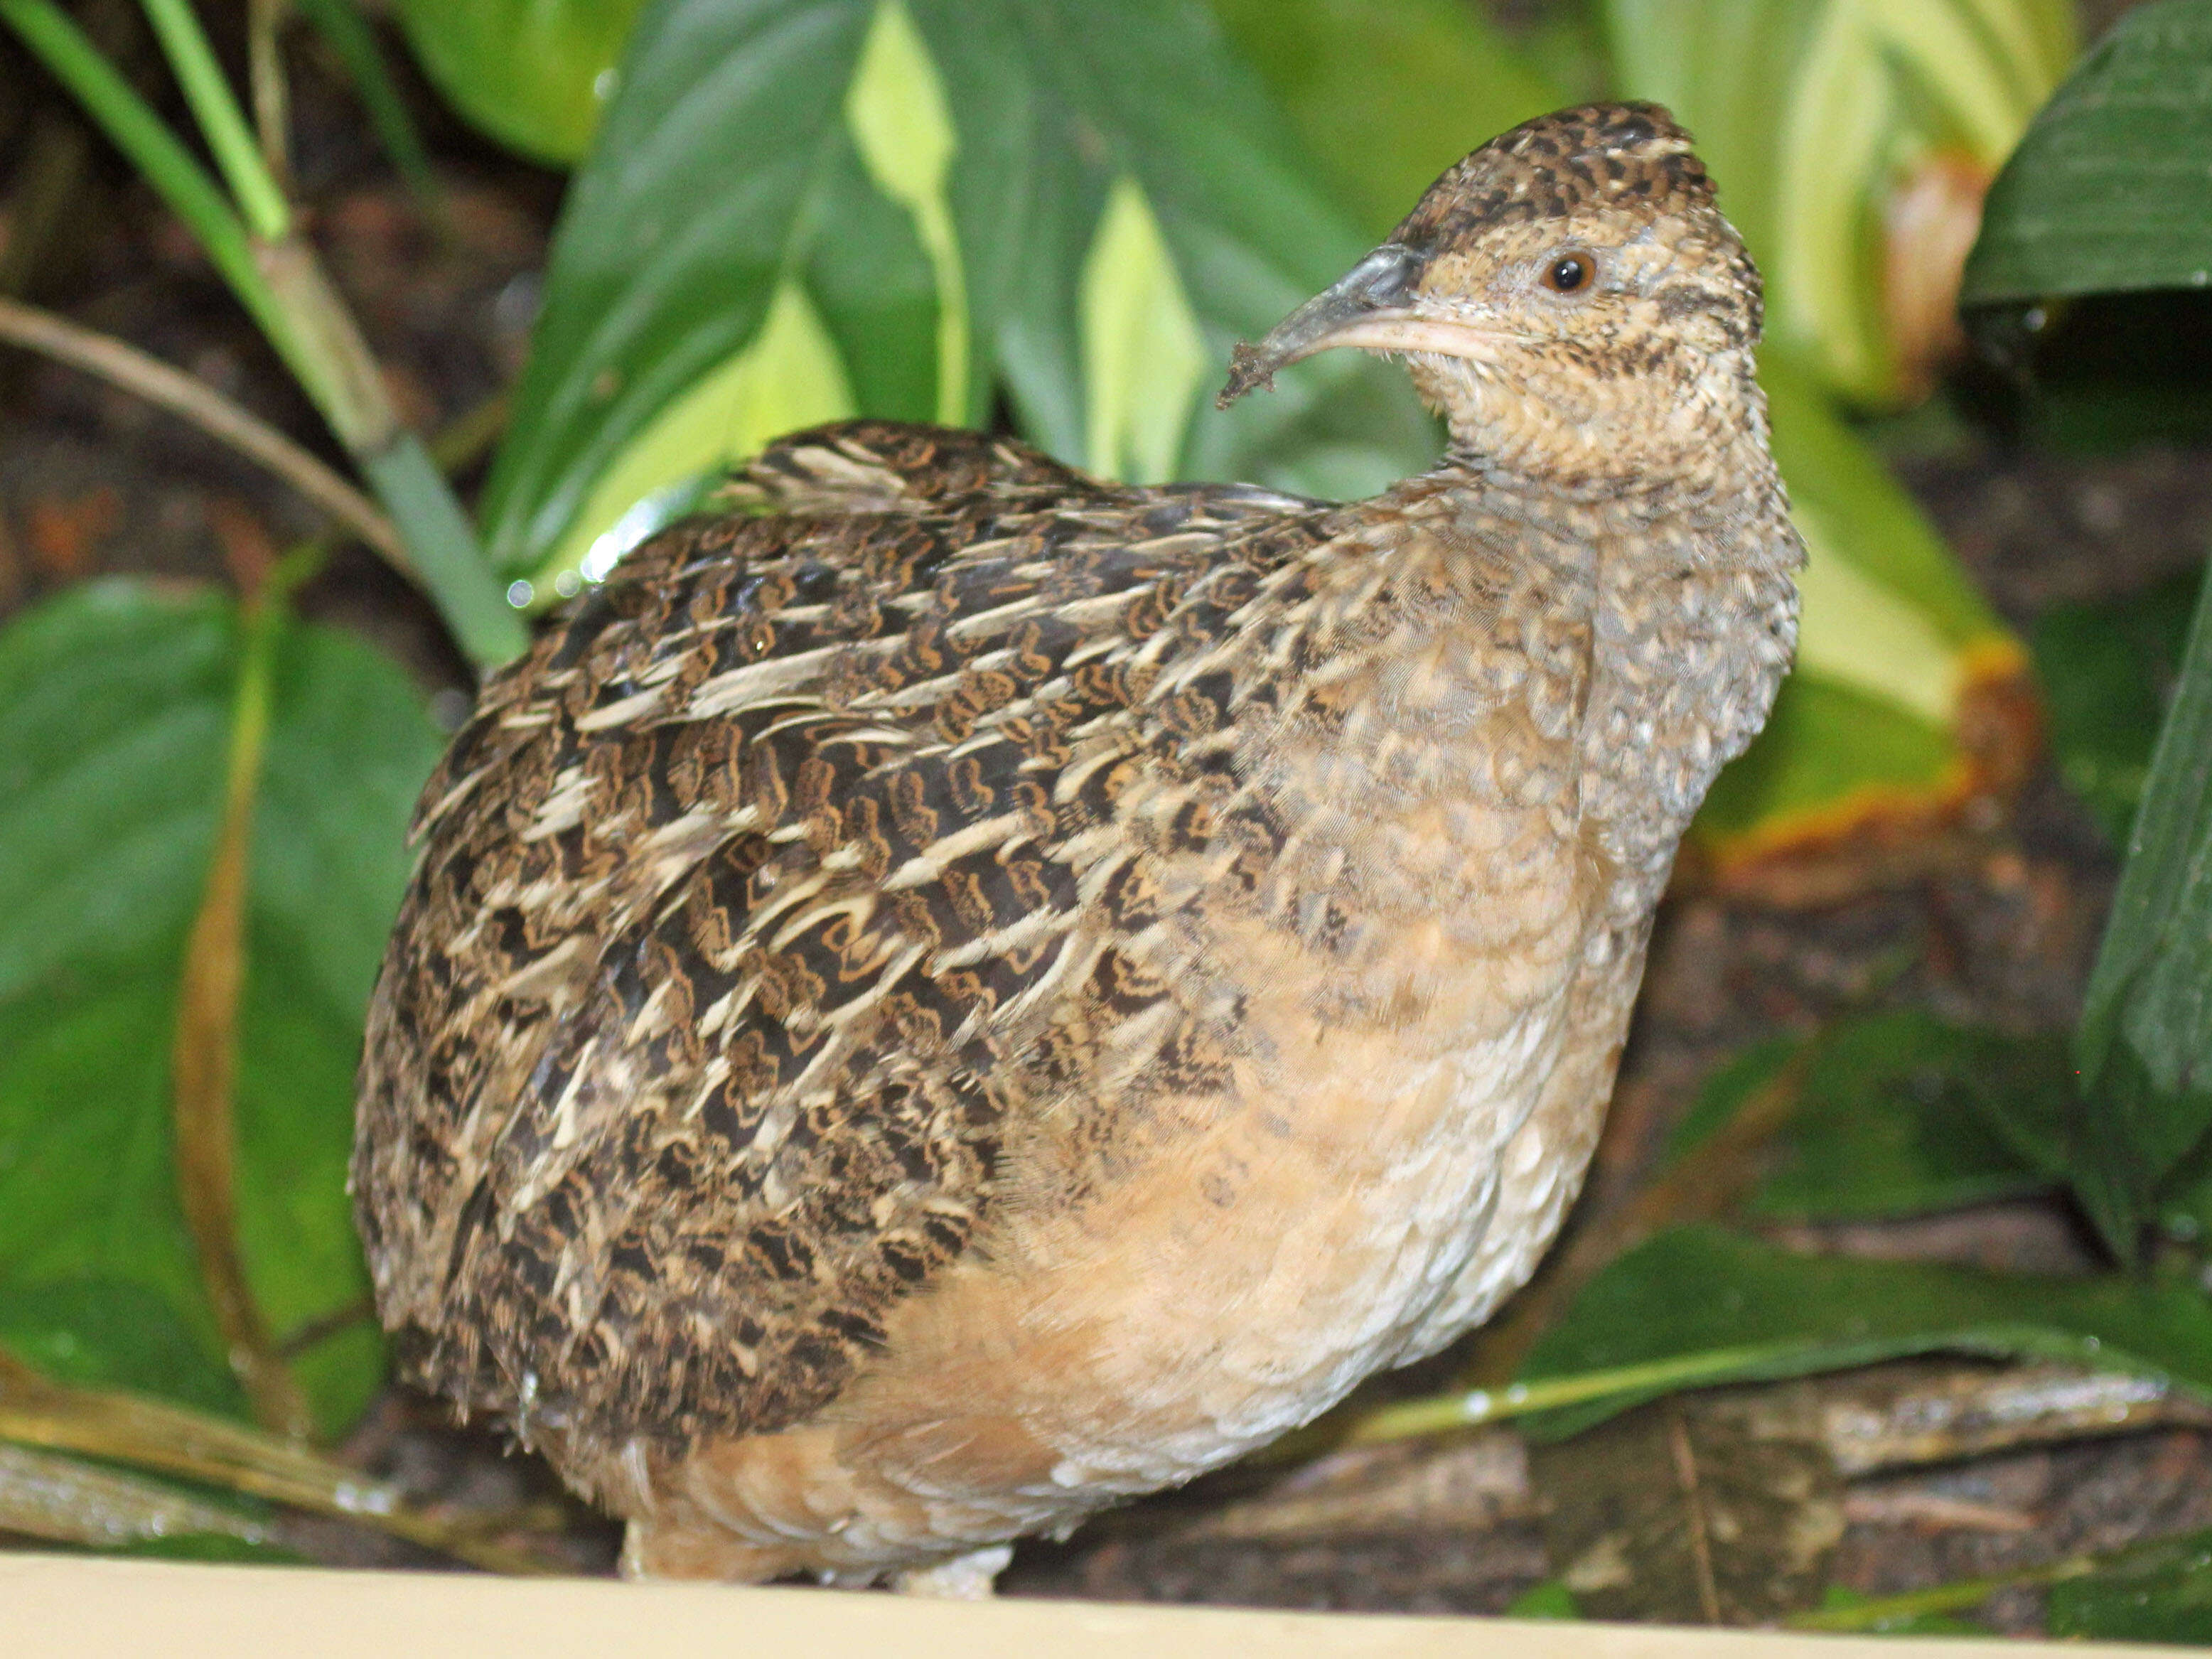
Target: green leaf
1102,192
1548,1600
2108,190
1151,93
1828,756
1810,115
896,110
2160,1592
2144,1045
790,377
111,760
1142,357
1863,516
533,74
1898,1113
1387,94
725,171
1837,1598
2107,670
114,1333
1698,1290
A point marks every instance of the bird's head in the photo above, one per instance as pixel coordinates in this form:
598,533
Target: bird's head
1568,297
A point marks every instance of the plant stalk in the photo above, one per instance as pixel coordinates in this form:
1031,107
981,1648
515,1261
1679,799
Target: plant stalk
152,1434
264,22
146,142
276,274
221,123
1440,1414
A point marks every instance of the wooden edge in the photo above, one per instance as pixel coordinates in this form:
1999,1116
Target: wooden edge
70,1608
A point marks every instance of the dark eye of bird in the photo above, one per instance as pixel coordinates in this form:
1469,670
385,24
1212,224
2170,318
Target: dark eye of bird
1570,273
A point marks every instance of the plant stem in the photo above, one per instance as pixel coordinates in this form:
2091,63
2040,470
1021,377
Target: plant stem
133,128
348,33
441,542
194,400
1957,1596
265,21
214,106
1442,1412
282,283
445,552
153,1434
66,1501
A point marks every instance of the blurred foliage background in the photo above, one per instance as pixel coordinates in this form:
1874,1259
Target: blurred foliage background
1056,216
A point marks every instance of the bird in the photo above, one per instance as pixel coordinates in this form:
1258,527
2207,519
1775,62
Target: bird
948,992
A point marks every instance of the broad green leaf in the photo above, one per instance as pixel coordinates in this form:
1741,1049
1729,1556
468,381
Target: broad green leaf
1387,94
2109,190
1829,760
896,107
726,175
1863,515
1142,357
1700,1290
1812,116
1150,93
1102,192
2157,1592
2144,1045
118,696
2106,670
1898,1113
790,377
114,1333
1857,633
533,74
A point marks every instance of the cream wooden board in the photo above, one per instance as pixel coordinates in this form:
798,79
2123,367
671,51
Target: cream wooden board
58,1607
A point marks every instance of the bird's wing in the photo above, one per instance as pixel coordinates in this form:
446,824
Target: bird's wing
889,466
688,1056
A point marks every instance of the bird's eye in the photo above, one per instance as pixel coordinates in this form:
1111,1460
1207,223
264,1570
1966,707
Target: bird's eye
1570,273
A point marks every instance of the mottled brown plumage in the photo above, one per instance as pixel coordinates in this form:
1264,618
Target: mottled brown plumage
950,992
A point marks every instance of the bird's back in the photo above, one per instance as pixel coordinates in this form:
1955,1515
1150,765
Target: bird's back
742,903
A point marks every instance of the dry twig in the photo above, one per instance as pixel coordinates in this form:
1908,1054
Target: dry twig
195,401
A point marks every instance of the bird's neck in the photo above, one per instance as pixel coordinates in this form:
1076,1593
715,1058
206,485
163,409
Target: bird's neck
1636,635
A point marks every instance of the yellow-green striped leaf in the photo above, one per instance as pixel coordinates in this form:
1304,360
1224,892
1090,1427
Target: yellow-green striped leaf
1142,357
1851,139
790,377
896,110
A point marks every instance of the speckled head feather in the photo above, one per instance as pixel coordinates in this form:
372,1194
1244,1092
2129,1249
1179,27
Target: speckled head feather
1568,296
1556,166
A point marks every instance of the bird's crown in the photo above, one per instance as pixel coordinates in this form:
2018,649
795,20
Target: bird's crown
1598,156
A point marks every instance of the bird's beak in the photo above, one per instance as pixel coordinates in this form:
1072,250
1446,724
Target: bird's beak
1375,306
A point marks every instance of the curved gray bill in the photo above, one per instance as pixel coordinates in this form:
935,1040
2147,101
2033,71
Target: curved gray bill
1376,288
